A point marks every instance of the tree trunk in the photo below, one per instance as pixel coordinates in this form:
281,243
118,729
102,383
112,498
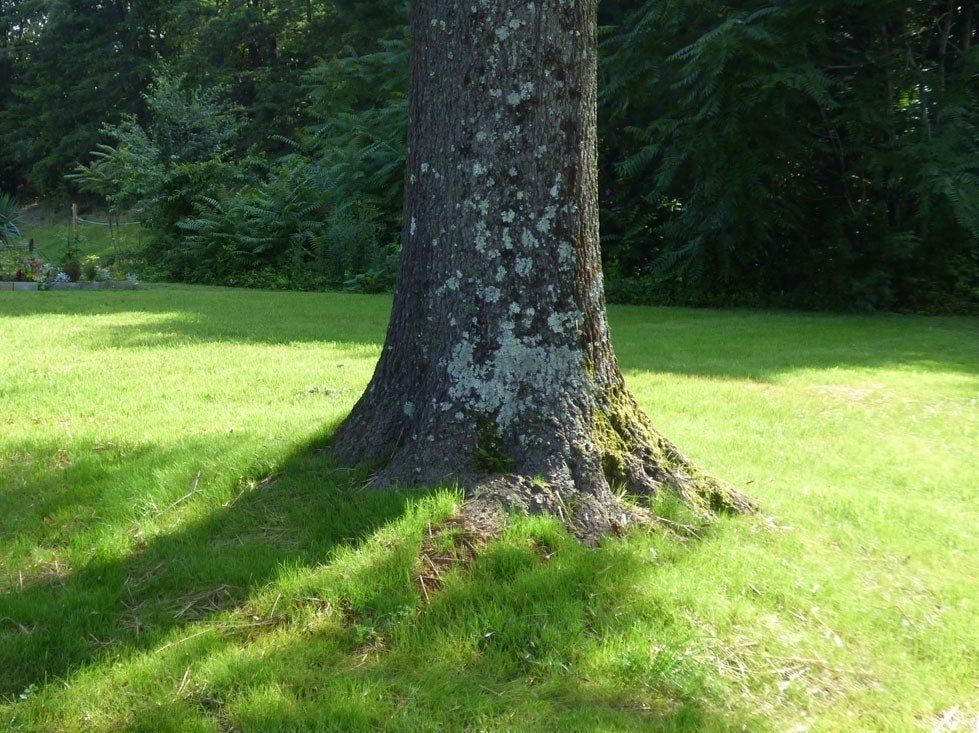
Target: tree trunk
498,372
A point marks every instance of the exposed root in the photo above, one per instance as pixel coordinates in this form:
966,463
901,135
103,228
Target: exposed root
594,468
451,543
588,515
592,515
636,456
643,476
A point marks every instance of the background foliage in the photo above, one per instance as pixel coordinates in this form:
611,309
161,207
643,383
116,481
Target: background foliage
793,153
797,153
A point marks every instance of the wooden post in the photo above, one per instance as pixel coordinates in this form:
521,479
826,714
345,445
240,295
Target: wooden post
74,220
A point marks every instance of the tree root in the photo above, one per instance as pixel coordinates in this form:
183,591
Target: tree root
592,512
595,469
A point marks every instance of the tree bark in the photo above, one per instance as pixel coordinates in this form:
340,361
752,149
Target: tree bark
498,371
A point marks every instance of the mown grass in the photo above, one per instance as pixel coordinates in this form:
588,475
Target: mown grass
152,578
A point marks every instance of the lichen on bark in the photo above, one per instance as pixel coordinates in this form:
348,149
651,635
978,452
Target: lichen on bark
498,371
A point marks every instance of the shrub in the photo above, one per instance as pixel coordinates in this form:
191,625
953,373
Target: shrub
183,152
73,269
90,268
9,215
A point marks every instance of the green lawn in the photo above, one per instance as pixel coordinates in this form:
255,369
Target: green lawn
153,576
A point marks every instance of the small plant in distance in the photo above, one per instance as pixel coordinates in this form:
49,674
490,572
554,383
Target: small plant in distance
70,263
73,270
90,268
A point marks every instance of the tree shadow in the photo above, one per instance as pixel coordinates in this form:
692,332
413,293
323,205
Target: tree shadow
733,344
760,345
518,640
51,491
173,315
57,620
530,620
529,636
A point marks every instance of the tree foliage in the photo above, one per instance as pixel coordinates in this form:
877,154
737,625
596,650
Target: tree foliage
162,168
793,153
797,153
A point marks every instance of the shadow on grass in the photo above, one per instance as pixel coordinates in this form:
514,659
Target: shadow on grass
727,344
59,620
527,638
174,315
52,490
522,635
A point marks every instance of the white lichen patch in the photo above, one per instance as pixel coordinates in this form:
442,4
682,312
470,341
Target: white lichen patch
523,93
544,223
564,323
517,366
565,253
482,236
556,188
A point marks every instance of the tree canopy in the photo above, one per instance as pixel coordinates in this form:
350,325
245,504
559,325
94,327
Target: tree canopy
815,154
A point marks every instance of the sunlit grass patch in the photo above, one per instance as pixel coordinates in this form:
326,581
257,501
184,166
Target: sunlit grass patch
177,553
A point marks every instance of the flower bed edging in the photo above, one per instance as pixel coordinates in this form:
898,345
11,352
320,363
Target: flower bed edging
8,285
19,286
99,285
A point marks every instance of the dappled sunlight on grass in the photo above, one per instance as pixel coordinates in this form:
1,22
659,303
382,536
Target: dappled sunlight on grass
204,559
539,631
177,554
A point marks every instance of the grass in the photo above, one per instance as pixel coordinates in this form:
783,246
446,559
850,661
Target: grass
50,228
152,577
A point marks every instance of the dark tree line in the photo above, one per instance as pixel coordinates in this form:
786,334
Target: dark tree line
795,153
798,153
70,66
